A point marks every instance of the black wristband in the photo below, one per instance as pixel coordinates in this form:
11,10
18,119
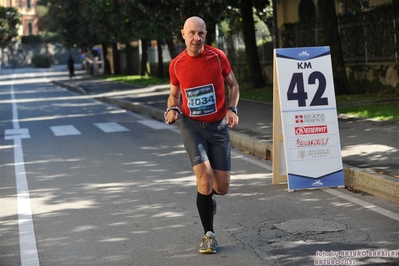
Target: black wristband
233,109
176,108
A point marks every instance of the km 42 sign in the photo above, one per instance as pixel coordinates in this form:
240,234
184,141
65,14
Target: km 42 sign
305,114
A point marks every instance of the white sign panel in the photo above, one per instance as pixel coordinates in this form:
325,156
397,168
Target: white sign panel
309,117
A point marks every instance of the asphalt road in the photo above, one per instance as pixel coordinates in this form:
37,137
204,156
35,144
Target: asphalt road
85,183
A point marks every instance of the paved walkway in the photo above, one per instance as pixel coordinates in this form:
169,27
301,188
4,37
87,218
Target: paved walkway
370,149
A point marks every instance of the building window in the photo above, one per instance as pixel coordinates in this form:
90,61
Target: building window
30,28
28,4
307,10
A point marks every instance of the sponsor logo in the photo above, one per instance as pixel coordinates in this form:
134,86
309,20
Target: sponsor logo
303,54
320,153
317,183
312,142
309,118
306,130
302,154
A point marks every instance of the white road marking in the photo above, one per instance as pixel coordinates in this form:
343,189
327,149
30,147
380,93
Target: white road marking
259,163
27,238
154,124
20,133
65,130
111,127
174,127
364,204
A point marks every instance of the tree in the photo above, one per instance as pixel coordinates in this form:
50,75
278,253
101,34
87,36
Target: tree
251,49
84,23
331,37
66,18
9,19
242,14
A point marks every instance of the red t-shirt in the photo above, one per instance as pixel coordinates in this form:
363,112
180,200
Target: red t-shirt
201,81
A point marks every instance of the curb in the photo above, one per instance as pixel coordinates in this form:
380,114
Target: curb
356,179
71,88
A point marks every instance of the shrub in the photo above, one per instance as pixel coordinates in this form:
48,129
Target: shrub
42,61
29,39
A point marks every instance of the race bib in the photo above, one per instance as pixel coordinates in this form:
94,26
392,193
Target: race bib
201,100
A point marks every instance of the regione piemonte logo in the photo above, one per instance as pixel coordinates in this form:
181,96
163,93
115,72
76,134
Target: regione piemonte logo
298,119
309,118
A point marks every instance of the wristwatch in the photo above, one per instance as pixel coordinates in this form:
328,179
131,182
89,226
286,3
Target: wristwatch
233,109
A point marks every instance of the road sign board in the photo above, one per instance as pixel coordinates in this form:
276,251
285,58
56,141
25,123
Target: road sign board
304,86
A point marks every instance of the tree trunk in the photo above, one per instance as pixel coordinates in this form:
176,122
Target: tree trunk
107,65
116,59
329,22
160,72
129,59
171,47
251,50
144,57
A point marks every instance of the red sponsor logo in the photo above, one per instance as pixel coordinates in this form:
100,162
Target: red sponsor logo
312,142
298,119
307,130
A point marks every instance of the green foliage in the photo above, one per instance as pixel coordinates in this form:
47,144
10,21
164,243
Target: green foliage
50,37
9,20
85,22
261,94
41,61
382,111
137,80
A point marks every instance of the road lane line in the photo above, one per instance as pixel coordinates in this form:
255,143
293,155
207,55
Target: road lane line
364,204
27,238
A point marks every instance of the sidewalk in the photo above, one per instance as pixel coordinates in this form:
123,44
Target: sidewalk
370,149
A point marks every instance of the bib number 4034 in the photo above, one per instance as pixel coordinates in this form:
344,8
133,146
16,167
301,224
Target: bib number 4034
301,95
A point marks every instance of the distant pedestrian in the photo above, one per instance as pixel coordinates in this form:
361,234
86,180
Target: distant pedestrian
71,67
198,75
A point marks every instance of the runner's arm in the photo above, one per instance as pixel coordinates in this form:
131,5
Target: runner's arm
173,100
234,96
234,91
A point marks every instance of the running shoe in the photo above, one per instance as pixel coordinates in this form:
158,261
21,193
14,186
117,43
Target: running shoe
214,204
208,244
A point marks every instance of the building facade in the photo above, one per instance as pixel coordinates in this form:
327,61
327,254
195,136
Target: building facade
29,17
292,11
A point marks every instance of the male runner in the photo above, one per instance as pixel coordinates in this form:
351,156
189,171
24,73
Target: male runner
198,76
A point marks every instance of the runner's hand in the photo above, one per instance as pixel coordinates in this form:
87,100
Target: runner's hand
231,119
172,116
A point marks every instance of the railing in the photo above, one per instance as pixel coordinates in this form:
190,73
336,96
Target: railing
368,37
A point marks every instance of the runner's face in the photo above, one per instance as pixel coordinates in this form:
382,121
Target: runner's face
194,34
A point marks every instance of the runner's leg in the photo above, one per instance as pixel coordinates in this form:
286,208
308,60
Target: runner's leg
204,177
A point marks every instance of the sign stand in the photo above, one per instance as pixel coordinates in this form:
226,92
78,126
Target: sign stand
306,144
279,171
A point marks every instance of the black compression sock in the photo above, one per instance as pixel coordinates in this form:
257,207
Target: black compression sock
205,210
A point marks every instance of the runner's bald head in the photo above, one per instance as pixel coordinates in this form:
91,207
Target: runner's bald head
194,20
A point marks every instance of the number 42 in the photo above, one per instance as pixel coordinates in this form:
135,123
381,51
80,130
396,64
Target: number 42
301,95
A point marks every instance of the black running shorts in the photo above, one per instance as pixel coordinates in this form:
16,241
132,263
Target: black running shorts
207,141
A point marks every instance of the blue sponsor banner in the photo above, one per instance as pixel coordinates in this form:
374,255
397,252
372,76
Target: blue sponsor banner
305,53
302,182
